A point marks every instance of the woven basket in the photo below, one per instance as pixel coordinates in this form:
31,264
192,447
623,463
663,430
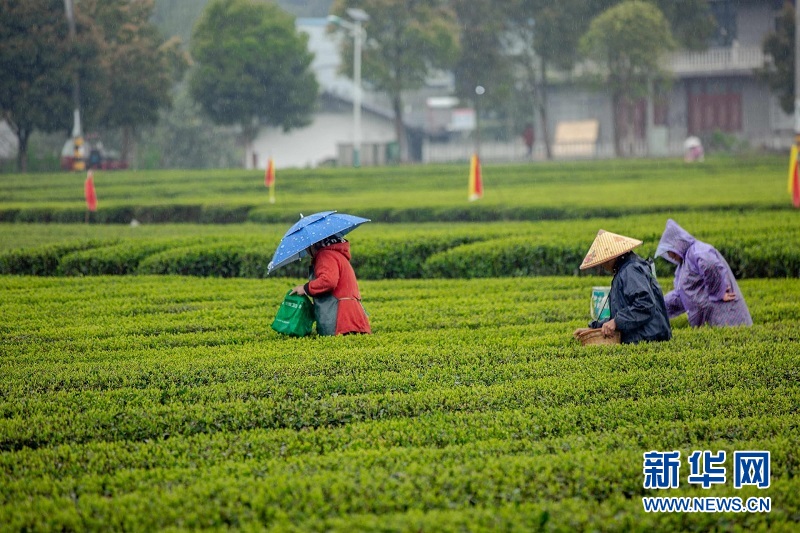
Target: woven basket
595,336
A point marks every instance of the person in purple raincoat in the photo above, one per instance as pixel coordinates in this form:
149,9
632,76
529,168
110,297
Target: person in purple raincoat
705,288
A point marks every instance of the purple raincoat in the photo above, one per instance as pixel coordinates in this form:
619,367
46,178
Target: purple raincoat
701,279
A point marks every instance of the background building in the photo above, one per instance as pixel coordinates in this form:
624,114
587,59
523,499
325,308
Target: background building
713,94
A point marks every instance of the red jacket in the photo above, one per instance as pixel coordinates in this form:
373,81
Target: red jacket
334,274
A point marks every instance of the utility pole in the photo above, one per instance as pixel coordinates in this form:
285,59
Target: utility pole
356,30
357,36
78,158
479,90
797,74
794,178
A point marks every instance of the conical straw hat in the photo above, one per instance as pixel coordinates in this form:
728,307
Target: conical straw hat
607,246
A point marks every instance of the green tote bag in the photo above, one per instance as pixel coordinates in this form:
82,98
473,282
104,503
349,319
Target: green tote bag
295,315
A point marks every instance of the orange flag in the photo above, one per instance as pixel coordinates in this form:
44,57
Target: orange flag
475,182
794,178
269,180
89,193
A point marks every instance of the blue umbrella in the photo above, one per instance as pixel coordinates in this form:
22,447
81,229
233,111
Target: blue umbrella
310,230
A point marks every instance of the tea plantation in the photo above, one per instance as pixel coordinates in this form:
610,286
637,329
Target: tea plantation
141,387
166,402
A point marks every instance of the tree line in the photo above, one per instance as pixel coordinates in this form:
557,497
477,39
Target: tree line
249,67
509,47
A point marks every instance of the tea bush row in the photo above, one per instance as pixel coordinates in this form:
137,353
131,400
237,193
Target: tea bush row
140,418
237,214
517,256
619,424
361,482
761,226
757,244
425,257
542,191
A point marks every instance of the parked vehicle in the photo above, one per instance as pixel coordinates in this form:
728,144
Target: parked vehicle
89,155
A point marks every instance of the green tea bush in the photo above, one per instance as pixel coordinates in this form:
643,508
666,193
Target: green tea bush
396,252
49,214
504,257
762,260
157,213
44,260
208,259
224,214
402,258
117,259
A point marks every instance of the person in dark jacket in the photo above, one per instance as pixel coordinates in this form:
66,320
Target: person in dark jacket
636,303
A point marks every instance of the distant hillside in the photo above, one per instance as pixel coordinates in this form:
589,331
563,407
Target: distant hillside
177,17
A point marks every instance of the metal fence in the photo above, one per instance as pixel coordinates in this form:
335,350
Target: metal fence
517,152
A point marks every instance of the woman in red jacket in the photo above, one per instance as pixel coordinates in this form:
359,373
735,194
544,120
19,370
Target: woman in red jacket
333,285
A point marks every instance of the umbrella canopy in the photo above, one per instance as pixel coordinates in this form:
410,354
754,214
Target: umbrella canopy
310,230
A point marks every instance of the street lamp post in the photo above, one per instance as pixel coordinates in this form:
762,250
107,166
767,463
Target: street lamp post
797,77
479,90
359,16
793,172
78,162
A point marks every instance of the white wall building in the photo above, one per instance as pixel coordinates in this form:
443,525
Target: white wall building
332,126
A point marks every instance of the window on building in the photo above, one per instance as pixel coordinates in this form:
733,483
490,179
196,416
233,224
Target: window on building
777,7
660,111
724,12
714,104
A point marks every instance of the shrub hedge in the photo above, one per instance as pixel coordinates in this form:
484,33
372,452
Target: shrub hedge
44,260
462,256
756,244
236,214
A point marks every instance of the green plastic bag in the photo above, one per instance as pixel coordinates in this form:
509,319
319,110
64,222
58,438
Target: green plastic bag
295,315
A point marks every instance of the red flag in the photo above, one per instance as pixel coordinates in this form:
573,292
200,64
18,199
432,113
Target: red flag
475,182
269,175
88,191
269,180
796,185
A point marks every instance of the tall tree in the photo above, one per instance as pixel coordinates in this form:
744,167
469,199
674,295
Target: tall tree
252,67
38,62
177,17
185,138
627,42
691,22
142,66
483,59
548,34
778,72
407,40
